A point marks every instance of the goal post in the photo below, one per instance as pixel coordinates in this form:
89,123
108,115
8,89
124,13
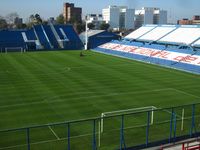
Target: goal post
21,49
121,112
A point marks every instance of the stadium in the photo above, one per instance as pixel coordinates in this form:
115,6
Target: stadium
138,92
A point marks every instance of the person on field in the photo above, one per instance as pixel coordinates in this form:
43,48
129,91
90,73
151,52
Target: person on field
81,54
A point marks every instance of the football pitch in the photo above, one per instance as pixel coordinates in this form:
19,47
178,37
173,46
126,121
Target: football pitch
39,88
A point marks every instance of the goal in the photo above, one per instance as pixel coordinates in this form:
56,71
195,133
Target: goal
13,49
126,111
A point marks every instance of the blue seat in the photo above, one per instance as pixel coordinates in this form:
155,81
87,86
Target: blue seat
9,38
51,36
73,40
42,37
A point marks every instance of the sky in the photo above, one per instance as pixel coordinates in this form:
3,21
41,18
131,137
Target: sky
177,9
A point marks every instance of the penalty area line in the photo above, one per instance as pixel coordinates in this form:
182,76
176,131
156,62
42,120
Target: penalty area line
54,133
186,93
83,97
47,141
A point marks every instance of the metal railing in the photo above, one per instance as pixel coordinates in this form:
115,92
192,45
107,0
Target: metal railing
128,130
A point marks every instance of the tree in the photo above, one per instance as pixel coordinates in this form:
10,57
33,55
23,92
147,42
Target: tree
60,19
3,23
38,19
21,26
104,26
91,26
74,20
29,25
34,20
45,22
11,17
79,27
31,21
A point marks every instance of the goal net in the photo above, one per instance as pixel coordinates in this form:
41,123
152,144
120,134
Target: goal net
13,49
126,111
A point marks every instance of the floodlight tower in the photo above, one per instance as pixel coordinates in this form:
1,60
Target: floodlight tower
86,34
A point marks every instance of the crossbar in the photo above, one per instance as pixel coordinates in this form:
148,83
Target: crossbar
128,110
135,110
14,48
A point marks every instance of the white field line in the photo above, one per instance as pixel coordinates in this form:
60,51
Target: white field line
95,96
54,110
171,113
62,70
144,125
82,97
44,100
180,91
54,133
185,93
46,141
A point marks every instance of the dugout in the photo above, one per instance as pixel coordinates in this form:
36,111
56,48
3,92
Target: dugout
98,37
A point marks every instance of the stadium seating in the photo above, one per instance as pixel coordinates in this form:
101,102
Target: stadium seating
141,31
165,45
9,39
41,33
51,36
45,37
72,40
30,34
182,35
157,33
171,34
178,64
196,43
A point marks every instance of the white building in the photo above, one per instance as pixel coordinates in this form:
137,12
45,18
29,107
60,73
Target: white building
95,19
119,17
160,16
150,15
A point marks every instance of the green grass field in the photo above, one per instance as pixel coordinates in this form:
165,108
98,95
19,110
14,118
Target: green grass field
48,87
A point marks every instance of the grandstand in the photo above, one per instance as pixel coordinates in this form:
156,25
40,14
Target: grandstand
140,32
11,39
157,33
41,37
167,45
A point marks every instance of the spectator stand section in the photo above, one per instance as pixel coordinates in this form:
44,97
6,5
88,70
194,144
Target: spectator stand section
11,41
40,37
167,45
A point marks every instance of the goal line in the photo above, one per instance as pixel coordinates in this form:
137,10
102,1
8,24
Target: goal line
121,112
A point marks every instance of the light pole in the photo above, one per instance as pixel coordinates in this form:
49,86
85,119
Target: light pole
86,35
